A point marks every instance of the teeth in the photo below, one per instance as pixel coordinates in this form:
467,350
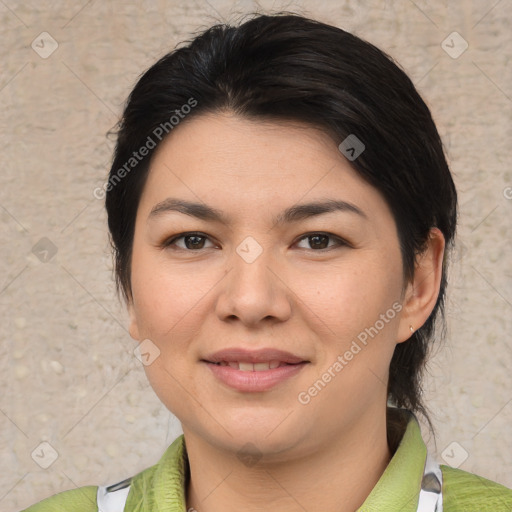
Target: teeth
261,366
251,367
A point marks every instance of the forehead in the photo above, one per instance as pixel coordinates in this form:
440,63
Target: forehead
226,160
226,140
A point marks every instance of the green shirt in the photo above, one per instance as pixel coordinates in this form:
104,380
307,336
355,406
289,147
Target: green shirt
162,487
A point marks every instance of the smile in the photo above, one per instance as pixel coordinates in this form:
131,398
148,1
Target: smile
252,367
253,377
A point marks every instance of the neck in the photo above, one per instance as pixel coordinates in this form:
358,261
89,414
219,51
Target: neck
335,477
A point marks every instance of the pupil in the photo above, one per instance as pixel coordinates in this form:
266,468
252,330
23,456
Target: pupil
195,243
315,239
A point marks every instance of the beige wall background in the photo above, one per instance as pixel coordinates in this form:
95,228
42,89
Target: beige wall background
68,375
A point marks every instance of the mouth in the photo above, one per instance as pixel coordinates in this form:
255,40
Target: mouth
244,357
249,374
253,370
254,367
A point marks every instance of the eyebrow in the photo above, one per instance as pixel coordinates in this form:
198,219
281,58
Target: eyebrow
293,214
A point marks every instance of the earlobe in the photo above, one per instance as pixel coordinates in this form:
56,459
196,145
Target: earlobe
134,328
422,292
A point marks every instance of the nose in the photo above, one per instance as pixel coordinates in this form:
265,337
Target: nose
254,290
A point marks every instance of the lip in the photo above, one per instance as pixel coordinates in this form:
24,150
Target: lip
256,380
263,355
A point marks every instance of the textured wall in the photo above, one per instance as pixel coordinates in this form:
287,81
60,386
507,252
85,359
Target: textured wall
67,370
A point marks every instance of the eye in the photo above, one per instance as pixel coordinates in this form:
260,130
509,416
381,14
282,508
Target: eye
192,241
320,241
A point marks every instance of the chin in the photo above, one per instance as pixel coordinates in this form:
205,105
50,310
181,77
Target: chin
269,435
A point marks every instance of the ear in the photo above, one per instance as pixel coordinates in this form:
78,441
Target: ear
421,294
134,326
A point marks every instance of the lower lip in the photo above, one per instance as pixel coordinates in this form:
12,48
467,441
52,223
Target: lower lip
254,381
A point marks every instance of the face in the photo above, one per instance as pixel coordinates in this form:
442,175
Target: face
255,268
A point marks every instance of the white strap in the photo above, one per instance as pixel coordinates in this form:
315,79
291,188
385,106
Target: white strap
112,498
431,493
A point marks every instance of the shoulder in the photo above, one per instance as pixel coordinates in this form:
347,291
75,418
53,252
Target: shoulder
82,499
164,481
468,492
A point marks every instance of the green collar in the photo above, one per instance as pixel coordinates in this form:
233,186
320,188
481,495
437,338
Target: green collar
162,487
399,486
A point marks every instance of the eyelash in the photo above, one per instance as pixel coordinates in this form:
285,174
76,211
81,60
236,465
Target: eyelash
169,242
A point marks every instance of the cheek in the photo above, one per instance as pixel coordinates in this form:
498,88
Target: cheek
167,297
344,299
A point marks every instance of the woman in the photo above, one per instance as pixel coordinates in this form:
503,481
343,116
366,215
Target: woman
281,211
